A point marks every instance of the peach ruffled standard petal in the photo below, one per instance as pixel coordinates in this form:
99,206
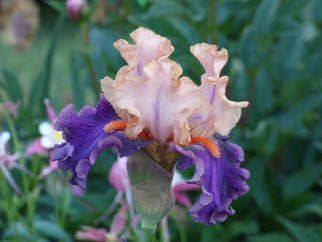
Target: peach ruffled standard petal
224,114
158,102
148,46
213,62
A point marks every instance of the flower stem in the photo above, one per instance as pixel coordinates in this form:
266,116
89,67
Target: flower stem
90,63
148,233
165,230
12,214
17,146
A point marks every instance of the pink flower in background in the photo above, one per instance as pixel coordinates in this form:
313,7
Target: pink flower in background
179,185
9,161
118,177
10,107
74,8
92,234
102,234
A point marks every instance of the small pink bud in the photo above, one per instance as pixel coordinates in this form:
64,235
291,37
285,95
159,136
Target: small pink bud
74,8
91,234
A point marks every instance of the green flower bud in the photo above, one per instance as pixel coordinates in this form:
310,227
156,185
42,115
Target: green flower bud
152,193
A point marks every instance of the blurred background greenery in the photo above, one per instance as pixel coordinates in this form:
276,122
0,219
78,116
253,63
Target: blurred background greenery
275,63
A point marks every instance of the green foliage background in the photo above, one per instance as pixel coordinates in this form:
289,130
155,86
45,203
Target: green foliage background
275,63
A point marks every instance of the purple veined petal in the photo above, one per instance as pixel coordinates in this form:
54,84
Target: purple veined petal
222,179
85,139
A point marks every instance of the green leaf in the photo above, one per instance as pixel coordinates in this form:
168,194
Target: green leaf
291,7
269,237
51,229
259,187
287,54
186,30
308,209
209,233
238,74
165,8
299,232
291,121
301,180
247,46
106,58
245,227
264,16
196,10
142,3
41,85
286,25
264,96
17,229
288,97
58,5
12,85
76,71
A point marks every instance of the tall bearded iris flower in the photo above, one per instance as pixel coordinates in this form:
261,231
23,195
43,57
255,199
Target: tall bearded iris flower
160,119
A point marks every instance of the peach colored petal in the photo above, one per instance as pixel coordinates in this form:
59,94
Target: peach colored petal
158,102
212,61
219,114
227,113
201,123
148,46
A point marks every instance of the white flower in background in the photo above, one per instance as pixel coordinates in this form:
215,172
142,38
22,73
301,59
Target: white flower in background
49,136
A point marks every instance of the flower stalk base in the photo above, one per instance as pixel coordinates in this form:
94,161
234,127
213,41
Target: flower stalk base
148,234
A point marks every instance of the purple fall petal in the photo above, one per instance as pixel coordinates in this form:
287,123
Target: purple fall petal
86,139
222,179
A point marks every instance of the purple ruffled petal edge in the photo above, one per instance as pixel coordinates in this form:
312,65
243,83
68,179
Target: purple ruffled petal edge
221,179
85,139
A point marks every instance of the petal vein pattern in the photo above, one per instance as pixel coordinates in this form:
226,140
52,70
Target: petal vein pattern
158,101
86,139
218,114
148,46
221,179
